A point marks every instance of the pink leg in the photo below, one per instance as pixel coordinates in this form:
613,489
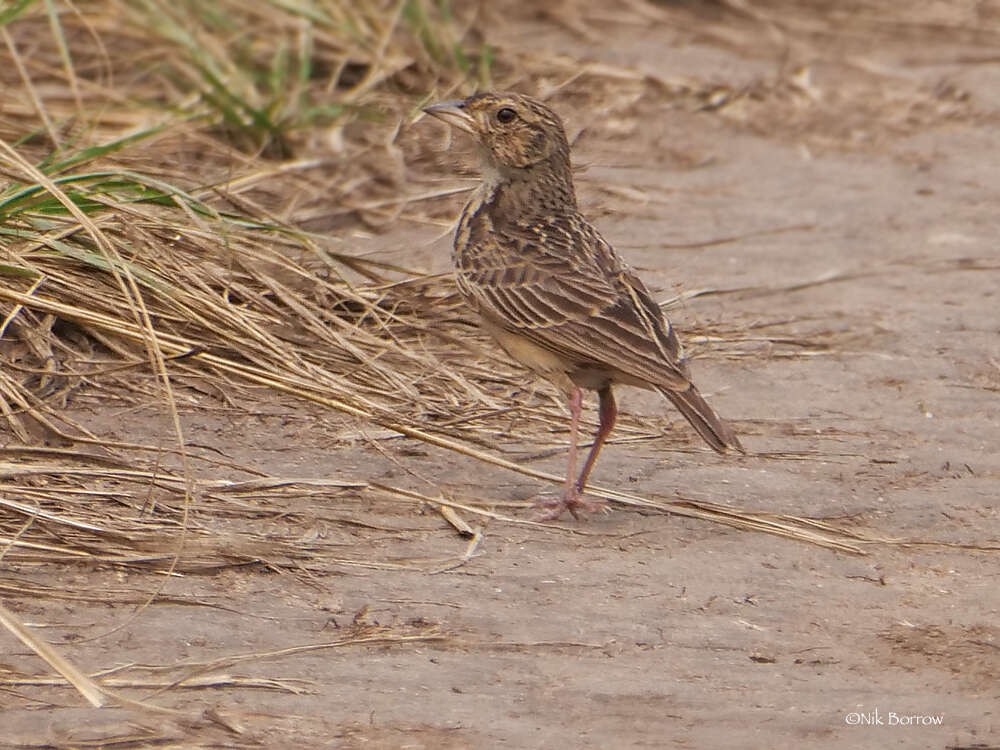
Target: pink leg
570,491
573,489
607,413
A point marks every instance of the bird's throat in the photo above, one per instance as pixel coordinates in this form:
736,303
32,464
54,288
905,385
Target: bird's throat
523,192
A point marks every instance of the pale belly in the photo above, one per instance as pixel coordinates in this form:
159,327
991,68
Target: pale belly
563,373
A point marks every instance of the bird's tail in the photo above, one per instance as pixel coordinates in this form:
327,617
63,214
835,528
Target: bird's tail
705,421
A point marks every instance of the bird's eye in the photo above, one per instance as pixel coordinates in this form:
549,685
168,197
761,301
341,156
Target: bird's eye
506,114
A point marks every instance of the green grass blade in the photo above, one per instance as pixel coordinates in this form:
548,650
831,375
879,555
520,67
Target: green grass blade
16,8
94,152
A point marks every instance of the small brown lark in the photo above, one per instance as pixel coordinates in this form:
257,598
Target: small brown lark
550,289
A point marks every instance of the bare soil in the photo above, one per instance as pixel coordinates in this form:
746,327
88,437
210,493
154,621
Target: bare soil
835,182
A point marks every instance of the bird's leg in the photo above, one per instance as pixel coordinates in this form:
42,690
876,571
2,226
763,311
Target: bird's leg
607,414
570,491
573,488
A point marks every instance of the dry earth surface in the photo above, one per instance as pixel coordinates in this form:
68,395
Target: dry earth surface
837,193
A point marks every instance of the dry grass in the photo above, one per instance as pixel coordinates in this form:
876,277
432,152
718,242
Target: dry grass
162,163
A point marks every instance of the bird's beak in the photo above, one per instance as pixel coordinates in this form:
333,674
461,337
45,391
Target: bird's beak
453,112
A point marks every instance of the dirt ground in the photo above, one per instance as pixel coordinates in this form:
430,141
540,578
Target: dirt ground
838,192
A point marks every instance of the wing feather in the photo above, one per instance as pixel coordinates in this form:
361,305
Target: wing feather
561,286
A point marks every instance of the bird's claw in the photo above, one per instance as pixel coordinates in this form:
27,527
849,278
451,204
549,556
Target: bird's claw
572,500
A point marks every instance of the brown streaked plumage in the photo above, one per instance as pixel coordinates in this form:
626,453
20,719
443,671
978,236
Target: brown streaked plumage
549,288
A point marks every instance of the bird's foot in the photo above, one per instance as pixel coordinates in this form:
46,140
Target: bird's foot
551,507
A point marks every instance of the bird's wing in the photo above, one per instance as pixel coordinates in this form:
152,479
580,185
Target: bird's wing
561,286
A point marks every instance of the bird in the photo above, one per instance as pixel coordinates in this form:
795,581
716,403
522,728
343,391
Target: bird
551,290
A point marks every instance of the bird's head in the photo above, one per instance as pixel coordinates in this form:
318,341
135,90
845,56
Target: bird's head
514,132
